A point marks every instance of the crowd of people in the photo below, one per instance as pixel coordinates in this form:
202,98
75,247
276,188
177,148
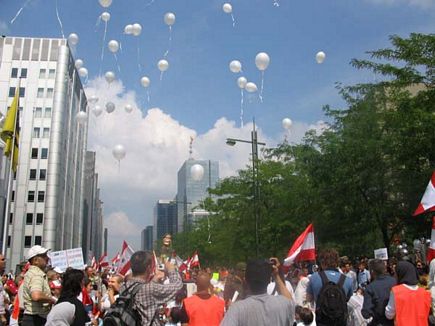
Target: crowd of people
337,292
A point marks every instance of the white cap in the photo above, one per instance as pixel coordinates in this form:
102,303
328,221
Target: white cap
58,270
35,251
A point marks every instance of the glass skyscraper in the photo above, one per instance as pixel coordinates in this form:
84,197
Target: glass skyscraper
190,192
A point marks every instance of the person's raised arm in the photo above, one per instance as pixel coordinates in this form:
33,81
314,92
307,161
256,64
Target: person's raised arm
280,284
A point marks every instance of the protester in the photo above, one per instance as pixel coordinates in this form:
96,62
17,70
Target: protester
363,275
408,304
3,318
37,296
69,311
114,285
349,272
354,306
301,288
151,294
319,290
202,308
377,293
260,308
304,316
234,285
55,287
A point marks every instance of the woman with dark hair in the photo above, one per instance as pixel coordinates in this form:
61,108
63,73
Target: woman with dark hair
408,304
69,311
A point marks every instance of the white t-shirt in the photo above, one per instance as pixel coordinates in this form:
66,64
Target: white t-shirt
61,314
289,287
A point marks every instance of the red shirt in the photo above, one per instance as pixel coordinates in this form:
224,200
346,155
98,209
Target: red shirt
202,312
412,306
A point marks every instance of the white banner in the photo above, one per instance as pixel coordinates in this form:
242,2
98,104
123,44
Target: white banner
67,258
381,253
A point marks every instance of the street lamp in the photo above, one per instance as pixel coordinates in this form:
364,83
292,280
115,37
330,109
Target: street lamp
254,142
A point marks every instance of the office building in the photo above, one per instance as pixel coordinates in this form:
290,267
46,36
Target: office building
147,238
190,192
165,219
48,190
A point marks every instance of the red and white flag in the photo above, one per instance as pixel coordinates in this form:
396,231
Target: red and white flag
116,259
102,262
124,262
428,201
194,261
94,263
303,248
431,250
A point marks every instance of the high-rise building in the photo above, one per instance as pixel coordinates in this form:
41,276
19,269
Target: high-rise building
165,218
92,237
146,242
47,199
191,192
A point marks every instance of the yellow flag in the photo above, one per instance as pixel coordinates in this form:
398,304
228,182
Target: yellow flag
11,128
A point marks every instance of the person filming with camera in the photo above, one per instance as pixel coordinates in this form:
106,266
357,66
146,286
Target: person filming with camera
260,308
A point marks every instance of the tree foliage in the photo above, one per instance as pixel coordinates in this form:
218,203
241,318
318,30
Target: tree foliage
358,181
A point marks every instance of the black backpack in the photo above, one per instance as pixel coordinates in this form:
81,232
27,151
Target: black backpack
122,312
331,305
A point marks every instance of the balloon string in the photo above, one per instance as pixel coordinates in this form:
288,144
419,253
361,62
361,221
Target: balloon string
60,22
138,54
119,166
150,3
102,46
241,107
234,21
148,97
19,11
161,76
169,42
262,87
117,64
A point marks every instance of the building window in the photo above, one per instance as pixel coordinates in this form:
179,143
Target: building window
39,218
42,174
11,218
11,91
46,133
34,153
31,196
36,132
32,174
42,73
38,240
14,73
27,241
44,153
22,92
51,73
47,113
41,196
40,93
9,241
23,72
29,218
49,92
13,195
38,112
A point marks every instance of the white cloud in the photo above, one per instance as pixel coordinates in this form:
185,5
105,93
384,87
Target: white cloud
416,3
156,146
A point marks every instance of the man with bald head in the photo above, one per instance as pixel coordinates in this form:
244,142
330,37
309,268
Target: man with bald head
203,308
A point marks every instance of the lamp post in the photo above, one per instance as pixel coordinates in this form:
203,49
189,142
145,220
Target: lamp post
254,142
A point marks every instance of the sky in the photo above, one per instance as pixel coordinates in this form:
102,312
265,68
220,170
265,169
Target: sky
198,95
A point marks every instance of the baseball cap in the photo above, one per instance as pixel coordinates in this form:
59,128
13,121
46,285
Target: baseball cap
58,270
35,251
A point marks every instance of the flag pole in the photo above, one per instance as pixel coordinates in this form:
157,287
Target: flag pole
10,177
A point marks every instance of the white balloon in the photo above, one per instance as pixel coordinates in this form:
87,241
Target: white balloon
320,57
163,65
78,63
128,29
113,46
262,61
109,76
97,110
251,87
235,66
110,107
128,108
287,123
197,172
169,19
241,82
83,72
227,8
92,99
118,152
105,3
145,81
137,29
105,16
82,117
73,39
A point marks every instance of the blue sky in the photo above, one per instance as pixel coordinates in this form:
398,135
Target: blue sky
199,89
